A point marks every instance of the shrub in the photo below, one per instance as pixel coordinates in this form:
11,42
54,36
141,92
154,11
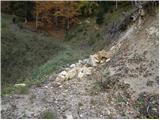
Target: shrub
98,35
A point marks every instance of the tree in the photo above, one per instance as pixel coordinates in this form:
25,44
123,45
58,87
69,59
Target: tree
69,11
42,7
22,9
87,8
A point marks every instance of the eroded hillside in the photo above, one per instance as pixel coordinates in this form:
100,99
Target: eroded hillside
124,85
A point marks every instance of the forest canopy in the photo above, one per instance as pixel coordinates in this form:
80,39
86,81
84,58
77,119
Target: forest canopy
60,14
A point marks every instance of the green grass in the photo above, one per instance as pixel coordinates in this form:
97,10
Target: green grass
28,57
48,114
68,56
11,89
120,99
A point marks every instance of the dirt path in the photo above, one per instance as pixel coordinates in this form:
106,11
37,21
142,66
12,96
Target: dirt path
131,71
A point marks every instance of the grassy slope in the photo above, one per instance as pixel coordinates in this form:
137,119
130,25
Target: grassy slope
28,57
42,55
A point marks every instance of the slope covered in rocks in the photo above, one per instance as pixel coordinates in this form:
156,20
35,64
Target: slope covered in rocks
124,84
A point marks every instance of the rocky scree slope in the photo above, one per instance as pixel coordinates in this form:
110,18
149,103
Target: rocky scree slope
120,83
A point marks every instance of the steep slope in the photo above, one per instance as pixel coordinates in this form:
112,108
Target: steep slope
129,87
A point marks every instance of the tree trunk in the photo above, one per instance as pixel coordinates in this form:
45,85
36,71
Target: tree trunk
56,22
116,4
36,19
132,3
68,26
25,13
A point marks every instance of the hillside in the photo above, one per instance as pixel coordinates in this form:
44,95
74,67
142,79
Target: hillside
124,85
30,56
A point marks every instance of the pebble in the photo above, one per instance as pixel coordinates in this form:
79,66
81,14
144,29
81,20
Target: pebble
81,115
107,60
108,111
73,65
69,116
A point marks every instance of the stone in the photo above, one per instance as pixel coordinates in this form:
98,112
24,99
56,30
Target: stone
87,62
61,77
64,73
102,61
81,115
73,65
77,64
20,85
102,54
112,48
80,62
108,60
96,27
69,115
51,77
80,74
87,21
67,69
93,60
72,73
87,70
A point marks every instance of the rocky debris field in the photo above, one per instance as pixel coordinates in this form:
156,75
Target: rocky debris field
120,83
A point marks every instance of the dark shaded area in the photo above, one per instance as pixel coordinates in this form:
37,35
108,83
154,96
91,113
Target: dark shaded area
22,53
148,105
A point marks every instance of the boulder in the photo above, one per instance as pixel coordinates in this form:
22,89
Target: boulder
59,79
87,62
87,70
72,73
84,71
102,61
62,76
93,60
73,65
80,74
80,62
102,54
68,115
99,57
108,60
63,73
